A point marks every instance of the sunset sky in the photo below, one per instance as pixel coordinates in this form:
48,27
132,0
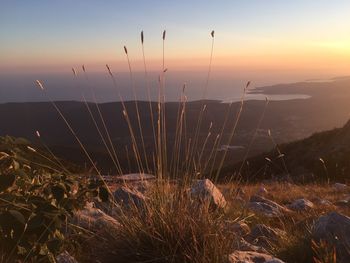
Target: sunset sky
254,35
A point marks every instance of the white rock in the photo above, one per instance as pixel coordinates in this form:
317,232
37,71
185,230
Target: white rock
95,219
252,257
127,197
340,187
334,228
207,192
64,257
264,236
301,205
243,245
266,207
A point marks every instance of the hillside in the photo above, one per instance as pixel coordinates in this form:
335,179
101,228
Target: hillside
48,214
289,120
322,156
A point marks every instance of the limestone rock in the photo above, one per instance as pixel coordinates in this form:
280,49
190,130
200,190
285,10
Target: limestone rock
127,197
95,220
243,245
266,207
340,187
264,236
206,192
64,257
252,257
301,205
334,228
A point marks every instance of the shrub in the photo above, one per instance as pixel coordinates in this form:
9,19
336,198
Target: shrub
36,197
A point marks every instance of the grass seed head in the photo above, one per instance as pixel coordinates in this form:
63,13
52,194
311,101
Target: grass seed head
109,70
40,85
74,72
268,159
31,149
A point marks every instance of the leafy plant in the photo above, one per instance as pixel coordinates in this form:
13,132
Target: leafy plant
36,198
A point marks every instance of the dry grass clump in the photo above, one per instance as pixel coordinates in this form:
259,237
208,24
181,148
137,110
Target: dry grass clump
171,227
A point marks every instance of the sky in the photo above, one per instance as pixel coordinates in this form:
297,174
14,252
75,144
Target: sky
253,38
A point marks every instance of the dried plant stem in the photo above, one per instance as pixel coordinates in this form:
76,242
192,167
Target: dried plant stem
111,149
238,116
254,136
280,155
203,105
126,116
115,162
137,112
148,93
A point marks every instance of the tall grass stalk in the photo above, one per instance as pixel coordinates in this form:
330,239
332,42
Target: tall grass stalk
204,97
149,97
126,116
253,138
280,154
238,116
111,149
55,158
137,111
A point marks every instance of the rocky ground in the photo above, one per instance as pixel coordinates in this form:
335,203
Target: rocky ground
272,222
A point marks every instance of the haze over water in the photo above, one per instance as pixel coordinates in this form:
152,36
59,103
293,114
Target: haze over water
64,86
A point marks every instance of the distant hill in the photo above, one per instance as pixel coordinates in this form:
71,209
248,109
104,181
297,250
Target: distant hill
289,120
323,156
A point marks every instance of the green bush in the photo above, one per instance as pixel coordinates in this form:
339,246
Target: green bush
36,198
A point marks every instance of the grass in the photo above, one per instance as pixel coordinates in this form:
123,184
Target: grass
171,229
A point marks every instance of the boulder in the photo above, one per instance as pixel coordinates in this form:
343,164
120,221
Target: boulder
64,257
243,245
301,205
206,192
340,187
266,207
252,257
126,197
135,177
95,220
142,187
334,228
264,236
